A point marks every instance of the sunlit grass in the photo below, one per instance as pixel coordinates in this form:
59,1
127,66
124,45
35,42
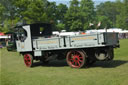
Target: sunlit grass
14,72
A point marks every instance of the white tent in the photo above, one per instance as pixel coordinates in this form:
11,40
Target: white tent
118,30
4,37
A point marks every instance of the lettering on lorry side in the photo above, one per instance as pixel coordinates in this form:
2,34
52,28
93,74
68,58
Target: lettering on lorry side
47,42
83,38
22,46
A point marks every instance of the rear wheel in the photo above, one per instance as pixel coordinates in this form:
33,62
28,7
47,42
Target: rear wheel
76,58
111,54
104,54
28,60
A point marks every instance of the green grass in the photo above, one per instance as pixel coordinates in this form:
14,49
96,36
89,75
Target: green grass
14,72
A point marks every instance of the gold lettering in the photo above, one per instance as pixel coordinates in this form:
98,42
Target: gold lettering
83,38
47,42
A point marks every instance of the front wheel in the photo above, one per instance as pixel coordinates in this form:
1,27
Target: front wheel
28,60
76,58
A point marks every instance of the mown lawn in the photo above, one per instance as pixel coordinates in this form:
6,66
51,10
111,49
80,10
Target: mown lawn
14,72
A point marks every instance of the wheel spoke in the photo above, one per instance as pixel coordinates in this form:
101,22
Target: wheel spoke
73,62
29,63
25,61
80,57
76,63
79,63
25,58
80,60
76,58
28,60
71,59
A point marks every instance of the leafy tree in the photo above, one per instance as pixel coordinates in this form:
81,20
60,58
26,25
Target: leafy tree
51,11
10,10
37,11
87,12
105,22
4,23
108,9
1,11
122,18
9,16
31,11
6,26
79,15
72,17
60,26
61,11
1,16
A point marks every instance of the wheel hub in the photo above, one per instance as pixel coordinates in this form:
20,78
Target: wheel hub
27,60
76,59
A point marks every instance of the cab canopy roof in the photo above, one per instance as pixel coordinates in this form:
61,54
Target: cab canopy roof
39,29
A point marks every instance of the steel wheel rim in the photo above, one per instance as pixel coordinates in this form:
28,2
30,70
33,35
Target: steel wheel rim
27,60
75,59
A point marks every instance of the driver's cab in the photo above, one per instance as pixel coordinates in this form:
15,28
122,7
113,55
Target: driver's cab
23,38
27,33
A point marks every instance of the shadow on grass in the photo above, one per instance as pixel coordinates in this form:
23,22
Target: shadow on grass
109,64
103,64
54,63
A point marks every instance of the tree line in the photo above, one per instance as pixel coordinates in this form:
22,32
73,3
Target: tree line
79,16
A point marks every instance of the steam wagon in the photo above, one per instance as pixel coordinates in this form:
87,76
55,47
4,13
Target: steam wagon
36,42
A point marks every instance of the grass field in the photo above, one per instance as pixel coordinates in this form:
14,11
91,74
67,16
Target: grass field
14,72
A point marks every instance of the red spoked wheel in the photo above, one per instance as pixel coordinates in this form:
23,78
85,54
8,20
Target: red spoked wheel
28,60
76,58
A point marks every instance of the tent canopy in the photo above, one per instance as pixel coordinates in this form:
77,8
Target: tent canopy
1,34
